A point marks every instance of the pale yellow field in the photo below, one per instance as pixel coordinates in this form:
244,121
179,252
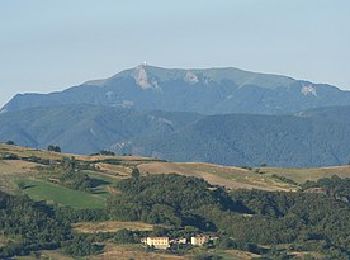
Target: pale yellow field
116,171
12,170
26,152
111,226
229,176
49,255
303,174
136,252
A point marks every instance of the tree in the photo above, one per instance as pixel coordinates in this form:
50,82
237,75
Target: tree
54,148
135,173
10,142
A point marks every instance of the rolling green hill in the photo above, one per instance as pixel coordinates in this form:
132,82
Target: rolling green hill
265,211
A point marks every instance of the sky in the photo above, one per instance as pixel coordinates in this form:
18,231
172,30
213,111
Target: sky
51,45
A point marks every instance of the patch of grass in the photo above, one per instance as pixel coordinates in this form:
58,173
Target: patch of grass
104,189
41,190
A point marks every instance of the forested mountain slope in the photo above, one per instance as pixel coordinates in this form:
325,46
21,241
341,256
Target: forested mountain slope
311,138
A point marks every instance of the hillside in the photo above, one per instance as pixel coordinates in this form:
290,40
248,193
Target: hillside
311,138
205,91
317,137
31,164
85,128
105,207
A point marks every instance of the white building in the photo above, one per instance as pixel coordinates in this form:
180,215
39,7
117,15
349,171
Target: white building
199,240
161,243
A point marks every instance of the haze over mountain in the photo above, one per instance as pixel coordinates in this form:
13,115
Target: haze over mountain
313,138
218,115
206,91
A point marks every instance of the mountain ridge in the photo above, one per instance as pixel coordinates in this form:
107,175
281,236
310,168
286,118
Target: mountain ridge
200,90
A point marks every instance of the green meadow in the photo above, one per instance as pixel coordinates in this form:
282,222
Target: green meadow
41,190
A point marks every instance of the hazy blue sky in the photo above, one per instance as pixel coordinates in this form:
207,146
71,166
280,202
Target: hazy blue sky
50,45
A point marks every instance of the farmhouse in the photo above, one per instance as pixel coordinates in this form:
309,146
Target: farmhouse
179,241
199,240
157,242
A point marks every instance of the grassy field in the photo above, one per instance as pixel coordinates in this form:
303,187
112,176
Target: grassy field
301,175
27,151
126,252
137,252
111,226
10,170
231,254
49,255
41,190
228,176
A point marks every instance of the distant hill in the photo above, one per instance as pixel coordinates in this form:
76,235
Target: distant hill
85,128
312,138
205,91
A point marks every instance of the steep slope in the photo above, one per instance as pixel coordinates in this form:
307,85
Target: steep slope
206,91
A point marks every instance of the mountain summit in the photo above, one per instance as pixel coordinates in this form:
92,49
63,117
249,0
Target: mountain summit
206,91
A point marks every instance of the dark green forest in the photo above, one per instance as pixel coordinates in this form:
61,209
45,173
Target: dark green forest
266,223
32,226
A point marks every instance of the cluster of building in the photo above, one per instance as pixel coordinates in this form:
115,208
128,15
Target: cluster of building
163,243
